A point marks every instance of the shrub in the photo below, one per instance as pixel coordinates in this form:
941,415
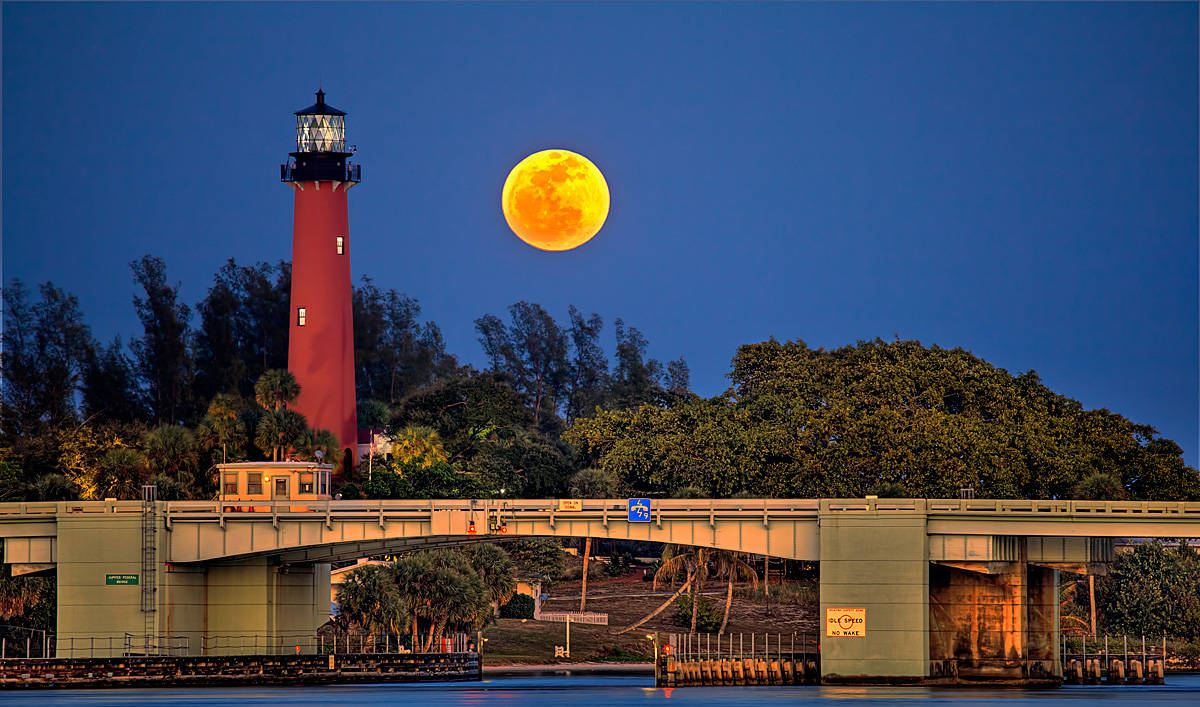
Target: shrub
708,616
519,607
619,565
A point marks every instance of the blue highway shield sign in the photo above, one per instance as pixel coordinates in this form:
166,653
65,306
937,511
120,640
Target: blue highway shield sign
639,510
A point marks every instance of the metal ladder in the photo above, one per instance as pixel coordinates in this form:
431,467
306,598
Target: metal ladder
149,573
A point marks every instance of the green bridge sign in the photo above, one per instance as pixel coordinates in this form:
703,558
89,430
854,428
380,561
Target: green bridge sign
120,579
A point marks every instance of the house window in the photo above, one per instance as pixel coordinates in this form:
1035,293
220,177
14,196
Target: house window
301,316
306,483
254,484
341,245
231,485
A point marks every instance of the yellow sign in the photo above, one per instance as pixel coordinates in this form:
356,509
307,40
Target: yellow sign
842,621
570,504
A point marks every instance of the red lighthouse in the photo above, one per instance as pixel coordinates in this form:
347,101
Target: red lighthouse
321,337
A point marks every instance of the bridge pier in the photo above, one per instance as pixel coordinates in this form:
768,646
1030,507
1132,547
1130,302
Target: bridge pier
238,607
880,564
996,621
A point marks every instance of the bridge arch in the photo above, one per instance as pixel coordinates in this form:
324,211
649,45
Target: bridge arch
327,531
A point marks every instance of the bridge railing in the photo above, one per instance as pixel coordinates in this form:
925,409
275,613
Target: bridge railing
614,509
524,509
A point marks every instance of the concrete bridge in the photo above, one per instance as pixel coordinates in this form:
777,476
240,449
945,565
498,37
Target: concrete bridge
933,587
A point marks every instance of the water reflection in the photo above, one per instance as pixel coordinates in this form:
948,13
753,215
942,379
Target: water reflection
598,690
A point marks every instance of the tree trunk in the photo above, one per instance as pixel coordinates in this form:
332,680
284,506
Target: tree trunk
728,603
657,611
587,555
1092,600
694,580
437,636
416,635
428,647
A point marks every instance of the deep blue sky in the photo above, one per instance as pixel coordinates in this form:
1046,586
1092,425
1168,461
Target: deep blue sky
1016,179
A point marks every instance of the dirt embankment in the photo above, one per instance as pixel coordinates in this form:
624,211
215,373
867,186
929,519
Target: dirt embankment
791,608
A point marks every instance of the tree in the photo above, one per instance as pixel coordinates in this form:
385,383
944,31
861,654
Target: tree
318,445
801,422
733,567
488,432
418,444
532,351
122,472
171,451
393,353
496,570
636,378
164,361
372,414
539,559
693,562
591,483
220,367
276,389
100,461
280,431
45,345
243,332
370,597
1152,591
110,388
222,429
587,388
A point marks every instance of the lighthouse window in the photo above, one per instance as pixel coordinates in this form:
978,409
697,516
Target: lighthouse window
341,245
301,316
320,133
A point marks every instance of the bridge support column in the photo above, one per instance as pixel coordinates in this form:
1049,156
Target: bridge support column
256,607
880,563
994,620
100,580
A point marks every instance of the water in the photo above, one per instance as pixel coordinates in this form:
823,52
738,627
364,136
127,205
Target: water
595,690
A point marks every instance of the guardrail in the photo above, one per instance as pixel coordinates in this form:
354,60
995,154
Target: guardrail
609,509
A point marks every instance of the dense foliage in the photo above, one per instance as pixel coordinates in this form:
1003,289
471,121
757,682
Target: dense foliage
521,606
428,593
924,421
1152,590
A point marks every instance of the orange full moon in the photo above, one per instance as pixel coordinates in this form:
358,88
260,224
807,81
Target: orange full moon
555,200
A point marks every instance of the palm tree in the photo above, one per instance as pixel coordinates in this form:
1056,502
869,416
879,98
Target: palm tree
278,431
276,389
122,471
412,574
418,442
370,598
222,426
312,441
732,566
683,588
496,570
674,559
591,483
171,450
